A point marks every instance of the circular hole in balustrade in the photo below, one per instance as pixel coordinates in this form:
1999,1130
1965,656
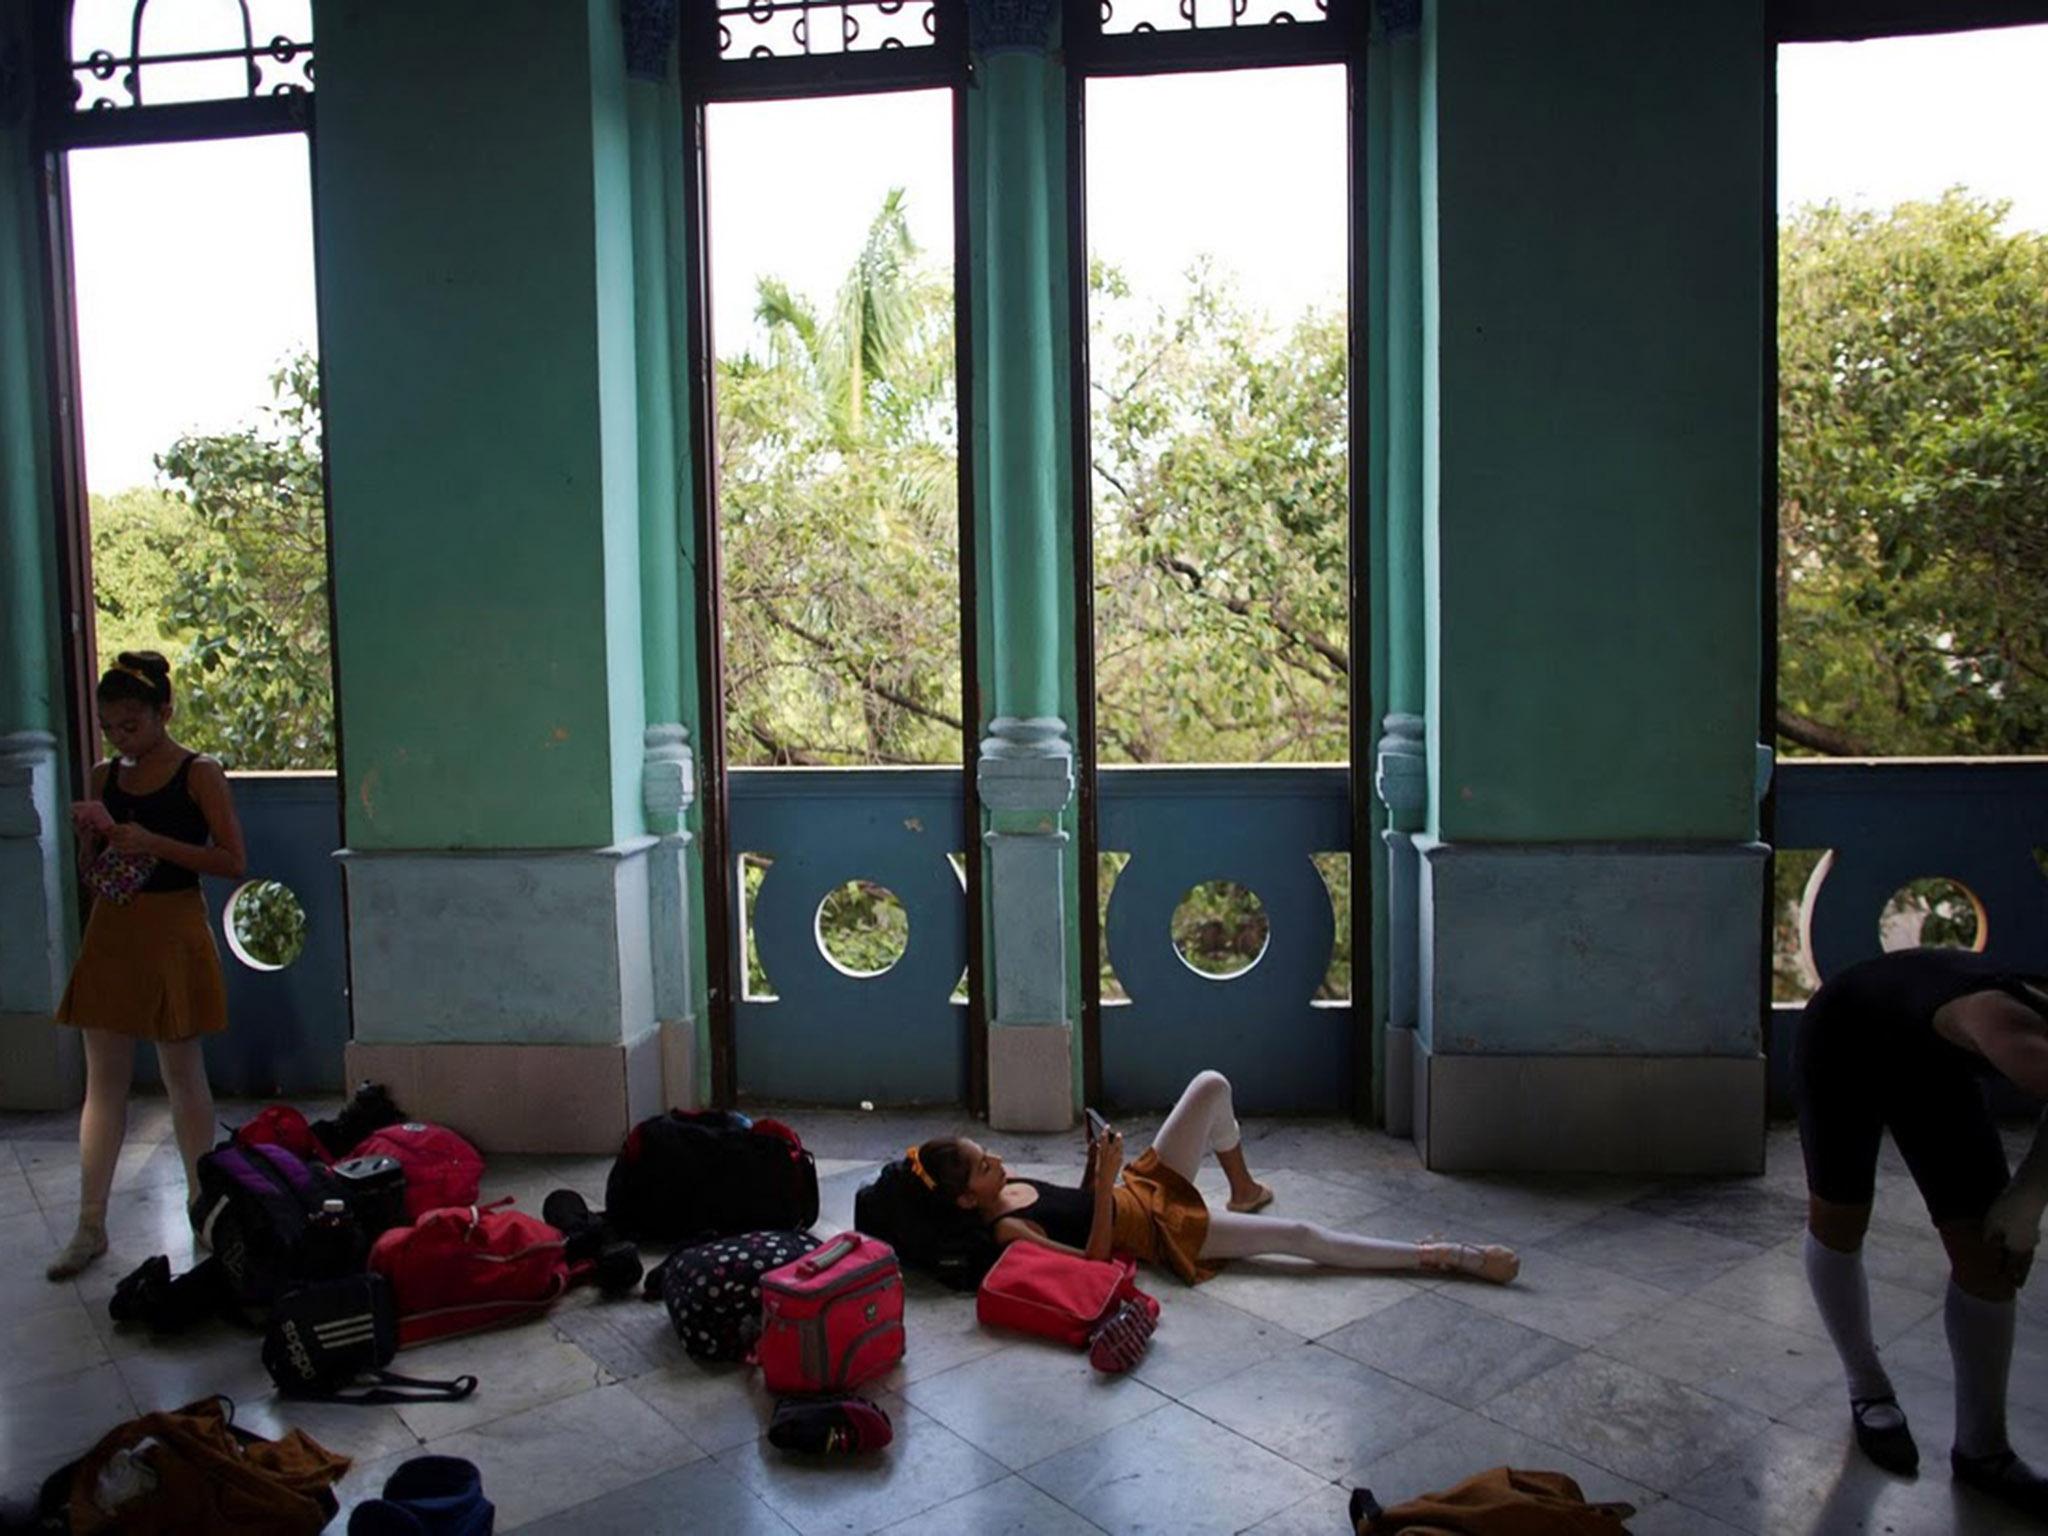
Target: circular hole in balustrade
1937,912
862,928
264,925
1220,929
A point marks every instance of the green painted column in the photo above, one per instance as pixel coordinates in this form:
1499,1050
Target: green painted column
39,1062
1017,214
481,259
1594,198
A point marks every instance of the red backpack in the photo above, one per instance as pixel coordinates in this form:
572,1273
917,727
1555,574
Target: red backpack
469,1268
441,1169
1055,1295
833,1318
281,1125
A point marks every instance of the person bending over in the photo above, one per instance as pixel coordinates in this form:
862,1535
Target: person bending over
1152,1211
1901,1043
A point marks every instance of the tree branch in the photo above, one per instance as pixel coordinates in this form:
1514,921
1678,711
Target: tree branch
1799,729
853,673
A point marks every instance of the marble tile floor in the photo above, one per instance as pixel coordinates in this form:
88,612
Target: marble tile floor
1660,1348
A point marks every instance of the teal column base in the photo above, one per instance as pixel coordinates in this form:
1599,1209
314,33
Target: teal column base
1590,1007
41,1064
510,994
1401,779
1026,780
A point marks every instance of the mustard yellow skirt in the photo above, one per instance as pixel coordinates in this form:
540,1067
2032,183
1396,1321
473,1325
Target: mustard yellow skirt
148,969
1160,1218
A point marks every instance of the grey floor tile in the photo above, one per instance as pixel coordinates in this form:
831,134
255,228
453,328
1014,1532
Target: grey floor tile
52,1167
1667,1254
1741,1359
627,1336
925,1466
1746,1210
1172,1473
358,1431
1310,1197
1521,1211
568,1452
1436,1342
1455,1449
1326,1512
56,1339
1924,1348
1579,1303
1786,1483
517,1369
1929,1402
701,1497
17,1196
1030,1401
1320,1410
1200,1340
717,1406
183,1370
1655,1433
46,1423
941,1331
1305,1299
1011,1507
1668,1517
1772,1286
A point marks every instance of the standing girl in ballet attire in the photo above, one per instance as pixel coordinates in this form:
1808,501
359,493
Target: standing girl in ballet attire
160,817
1155,1213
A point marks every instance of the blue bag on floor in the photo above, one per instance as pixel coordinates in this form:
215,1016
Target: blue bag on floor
428,1496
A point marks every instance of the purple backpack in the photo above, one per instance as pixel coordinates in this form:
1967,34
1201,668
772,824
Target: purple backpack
260,1209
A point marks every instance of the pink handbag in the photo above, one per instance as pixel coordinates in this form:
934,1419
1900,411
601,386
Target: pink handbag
833,1318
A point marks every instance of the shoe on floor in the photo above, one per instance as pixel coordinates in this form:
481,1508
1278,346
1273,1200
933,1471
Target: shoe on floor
1891,1446
2004,1477
1482,1261
1121,1339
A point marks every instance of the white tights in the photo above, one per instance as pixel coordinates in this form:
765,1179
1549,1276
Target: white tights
1204,1121
103,1122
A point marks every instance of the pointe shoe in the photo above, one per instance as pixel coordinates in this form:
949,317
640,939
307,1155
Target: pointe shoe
1490,1262
86,1245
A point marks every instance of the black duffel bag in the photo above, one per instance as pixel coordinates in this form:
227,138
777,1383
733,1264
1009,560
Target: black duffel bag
687,1176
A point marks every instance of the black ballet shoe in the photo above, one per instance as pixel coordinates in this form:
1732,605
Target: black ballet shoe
2004,1477
1891,1448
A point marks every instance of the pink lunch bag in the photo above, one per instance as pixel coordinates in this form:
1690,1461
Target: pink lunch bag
833,1318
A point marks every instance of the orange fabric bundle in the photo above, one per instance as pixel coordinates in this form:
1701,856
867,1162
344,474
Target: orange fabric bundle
1501,1502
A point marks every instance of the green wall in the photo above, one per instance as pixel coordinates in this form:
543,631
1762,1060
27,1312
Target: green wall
29,697
1595,196
475,297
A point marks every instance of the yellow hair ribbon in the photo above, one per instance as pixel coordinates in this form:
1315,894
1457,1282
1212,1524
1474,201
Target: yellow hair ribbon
917,1167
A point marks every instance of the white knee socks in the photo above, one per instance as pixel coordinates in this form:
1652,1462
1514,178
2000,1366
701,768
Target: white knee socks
1843,1296
1980,1337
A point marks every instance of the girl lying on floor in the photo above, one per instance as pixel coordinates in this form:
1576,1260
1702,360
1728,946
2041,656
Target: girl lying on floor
1154,1212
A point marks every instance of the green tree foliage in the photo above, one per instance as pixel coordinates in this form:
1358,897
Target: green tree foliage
1913,481
141,538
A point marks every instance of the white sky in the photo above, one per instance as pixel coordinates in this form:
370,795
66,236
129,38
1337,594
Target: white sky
194,262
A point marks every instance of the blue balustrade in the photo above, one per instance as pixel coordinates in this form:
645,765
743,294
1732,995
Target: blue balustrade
287,1027
1885,823
1258,827
827,1035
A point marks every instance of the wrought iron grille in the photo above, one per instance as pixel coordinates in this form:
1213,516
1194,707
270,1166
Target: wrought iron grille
182,51
1139,16
803,29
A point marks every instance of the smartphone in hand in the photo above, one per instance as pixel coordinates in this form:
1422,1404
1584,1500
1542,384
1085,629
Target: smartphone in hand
1096,1125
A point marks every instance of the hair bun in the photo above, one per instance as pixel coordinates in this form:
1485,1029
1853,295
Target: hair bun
152,662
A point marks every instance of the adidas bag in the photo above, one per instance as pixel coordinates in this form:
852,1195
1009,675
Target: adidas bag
713,1290
683,1177
926,1234
326,1337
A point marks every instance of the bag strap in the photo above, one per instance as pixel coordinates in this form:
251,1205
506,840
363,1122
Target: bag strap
829,1255
394,1388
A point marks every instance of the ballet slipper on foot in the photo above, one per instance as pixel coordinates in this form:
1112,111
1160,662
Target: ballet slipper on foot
1258,1200
1490,1261
86,1245
1882,1434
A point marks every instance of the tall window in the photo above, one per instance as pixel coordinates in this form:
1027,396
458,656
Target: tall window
1912,416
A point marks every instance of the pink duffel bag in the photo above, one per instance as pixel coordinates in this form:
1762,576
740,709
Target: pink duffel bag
833,1318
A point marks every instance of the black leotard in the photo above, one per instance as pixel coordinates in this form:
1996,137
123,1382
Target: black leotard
169,812
1066,1214
1868,1058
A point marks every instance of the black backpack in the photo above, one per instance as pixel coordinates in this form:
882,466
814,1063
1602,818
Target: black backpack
896,1207
326,1337
685,1177
257,1210
713,1290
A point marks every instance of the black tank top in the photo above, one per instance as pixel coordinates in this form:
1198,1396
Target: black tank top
169,812
1065,1214
1897,995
